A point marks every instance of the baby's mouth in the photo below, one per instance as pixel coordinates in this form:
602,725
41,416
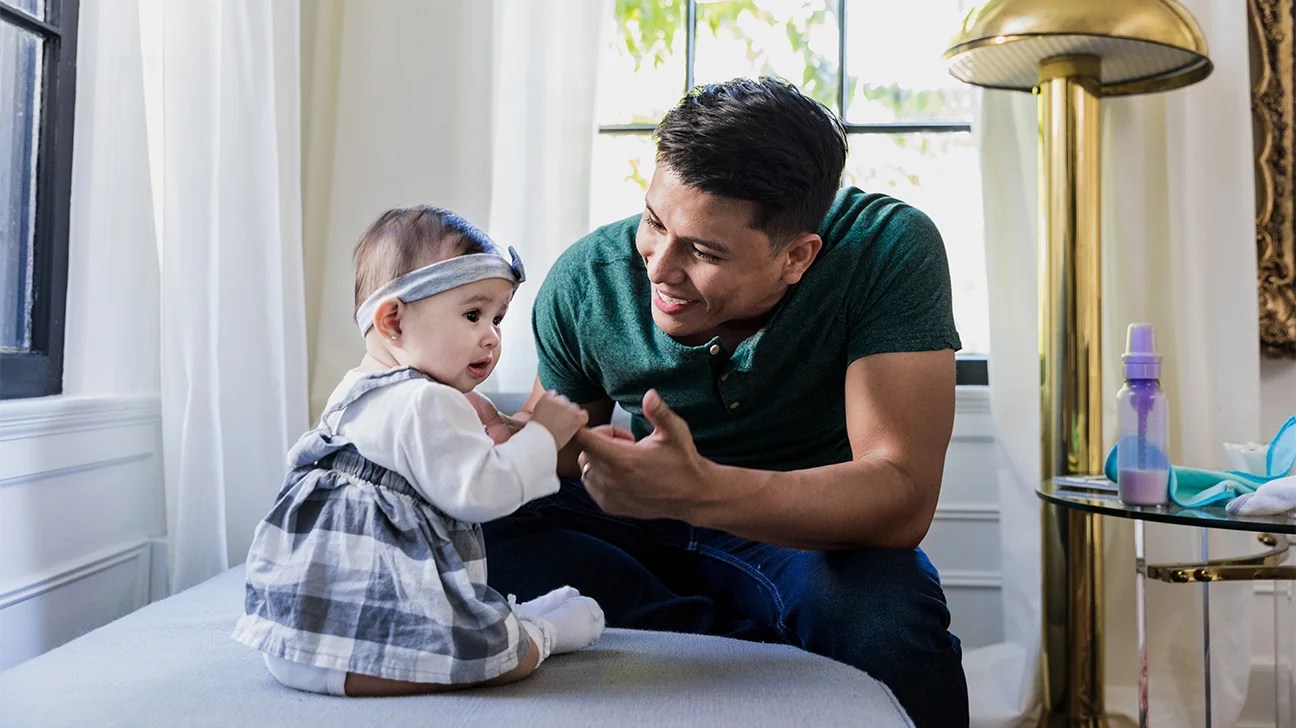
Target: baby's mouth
479,368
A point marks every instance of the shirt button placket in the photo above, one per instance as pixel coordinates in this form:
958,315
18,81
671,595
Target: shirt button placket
714,350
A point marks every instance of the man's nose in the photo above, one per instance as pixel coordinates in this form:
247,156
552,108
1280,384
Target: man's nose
663,265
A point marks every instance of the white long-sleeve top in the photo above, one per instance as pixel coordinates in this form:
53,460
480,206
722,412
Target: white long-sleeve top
429,434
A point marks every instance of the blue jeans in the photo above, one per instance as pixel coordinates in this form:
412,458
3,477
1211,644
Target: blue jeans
879,610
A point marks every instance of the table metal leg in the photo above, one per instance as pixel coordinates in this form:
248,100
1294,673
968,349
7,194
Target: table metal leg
1140,598
1206,631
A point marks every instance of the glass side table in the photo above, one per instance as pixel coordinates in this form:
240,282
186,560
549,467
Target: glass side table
1096,494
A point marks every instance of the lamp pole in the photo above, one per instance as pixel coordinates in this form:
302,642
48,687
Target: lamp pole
1070,340
1071,53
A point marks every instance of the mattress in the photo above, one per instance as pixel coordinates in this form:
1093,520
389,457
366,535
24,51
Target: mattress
174,663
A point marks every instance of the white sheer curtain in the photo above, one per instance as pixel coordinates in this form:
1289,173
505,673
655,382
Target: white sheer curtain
1178,247
112,261
543,137
222,81
491,116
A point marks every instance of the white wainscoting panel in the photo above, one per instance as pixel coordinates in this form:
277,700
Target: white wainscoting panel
81,497
963,542
66,604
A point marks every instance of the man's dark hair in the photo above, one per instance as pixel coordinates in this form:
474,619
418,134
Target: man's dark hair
758,140
407,238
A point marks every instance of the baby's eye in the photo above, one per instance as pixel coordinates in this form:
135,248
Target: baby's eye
473,315
499,320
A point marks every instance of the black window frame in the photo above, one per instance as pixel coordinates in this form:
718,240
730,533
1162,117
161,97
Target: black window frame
972,369
39,371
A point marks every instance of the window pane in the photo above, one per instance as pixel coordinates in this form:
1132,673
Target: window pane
35,8
20,64
793,39
641,69
894,65
623,167
938,174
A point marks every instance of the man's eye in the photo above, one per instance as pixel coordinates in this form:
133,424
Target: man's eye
704,256
472,316
656,225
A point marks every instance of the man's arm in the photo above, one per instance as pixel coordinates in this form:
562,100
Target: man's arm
600,413
899,416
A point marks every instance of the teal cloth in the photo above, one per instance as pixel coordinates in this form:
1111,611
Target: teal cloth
1195,487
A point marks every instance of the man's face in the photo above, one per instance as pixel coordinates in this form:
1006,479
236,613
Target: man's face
711,271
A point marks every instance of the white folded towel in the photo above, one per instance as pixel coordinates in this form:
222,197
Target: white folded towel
1272,498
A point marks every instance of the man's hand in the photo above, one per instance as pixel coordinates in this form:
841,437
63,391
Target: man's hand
661,476
499,427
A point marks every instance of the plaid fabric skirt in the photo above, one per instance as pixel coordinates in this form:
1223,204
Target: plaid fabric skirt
353,570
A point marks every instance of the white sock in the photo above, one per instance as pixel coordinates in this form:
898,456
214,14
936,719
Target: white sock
541,604
541,633
312,679
576,623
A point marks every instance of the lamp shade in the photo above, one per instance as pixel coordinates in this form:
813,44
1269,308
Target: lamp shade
1142,45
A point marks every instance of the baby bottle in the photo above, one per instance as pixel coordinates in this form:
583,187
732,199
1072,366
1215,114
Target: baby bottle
1142,455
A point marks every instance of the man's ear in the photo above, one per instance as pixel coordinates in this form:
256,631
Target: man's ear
798,254
387,318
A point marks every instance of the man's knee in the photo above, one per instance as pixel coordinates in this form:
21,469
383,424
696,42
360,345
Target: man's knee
853,599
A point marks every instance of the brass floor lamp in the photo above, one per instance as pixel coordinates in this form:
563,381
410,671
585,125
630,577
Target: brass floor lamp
1071,53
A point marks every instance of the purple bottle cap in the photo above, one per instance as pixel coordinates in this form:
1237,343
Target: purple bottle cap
1141,359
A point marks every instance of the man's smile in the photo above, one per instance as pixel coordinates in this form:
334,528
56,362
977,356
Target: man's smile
669,304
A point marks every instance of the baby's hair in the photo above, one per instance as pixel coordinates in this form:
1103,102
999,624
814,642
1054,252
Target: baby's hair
408,238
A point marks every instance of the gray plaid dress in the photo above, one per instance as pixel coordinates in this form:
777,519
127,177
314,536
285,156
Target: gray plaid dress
354,570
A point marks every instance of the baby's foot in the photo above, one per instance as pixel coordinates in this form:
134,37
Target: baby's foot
577,623
542,604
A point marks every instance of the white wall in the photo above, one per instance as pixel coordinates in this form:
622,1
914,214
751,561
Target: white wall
1277,394
81,494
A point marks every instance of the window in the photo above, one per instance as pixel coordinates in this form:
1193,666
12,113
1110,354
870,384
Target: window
908,121
37,86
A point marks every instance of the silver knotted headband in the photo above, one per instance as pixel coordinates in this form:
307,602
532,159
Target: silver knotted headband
441,277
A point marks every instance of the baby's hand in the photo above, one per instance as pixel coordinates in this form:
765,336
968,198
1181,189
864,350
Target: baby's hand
495,424
560,416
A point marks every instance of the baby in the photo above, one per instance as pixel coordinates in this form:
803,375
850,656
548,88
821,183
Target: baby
368,577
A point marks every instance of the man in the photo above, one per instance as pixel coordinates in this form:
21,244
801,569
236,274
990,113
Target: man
786,352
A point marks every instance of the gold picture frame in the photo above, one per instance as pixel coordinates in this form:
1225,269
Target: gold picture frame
1273,114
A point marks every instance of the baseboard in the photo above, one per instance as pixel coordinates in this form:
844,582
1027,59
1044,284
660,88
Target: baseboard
966,512
965,579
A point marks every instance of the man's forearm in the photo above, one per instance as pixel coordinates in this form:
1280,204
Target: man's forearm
866,503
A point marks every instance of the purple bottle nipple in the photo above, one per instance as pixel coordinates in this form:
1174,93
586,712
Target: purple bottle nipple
1140,357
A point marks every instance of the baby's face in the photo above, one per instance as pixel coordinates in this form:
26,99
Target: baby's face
454,336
